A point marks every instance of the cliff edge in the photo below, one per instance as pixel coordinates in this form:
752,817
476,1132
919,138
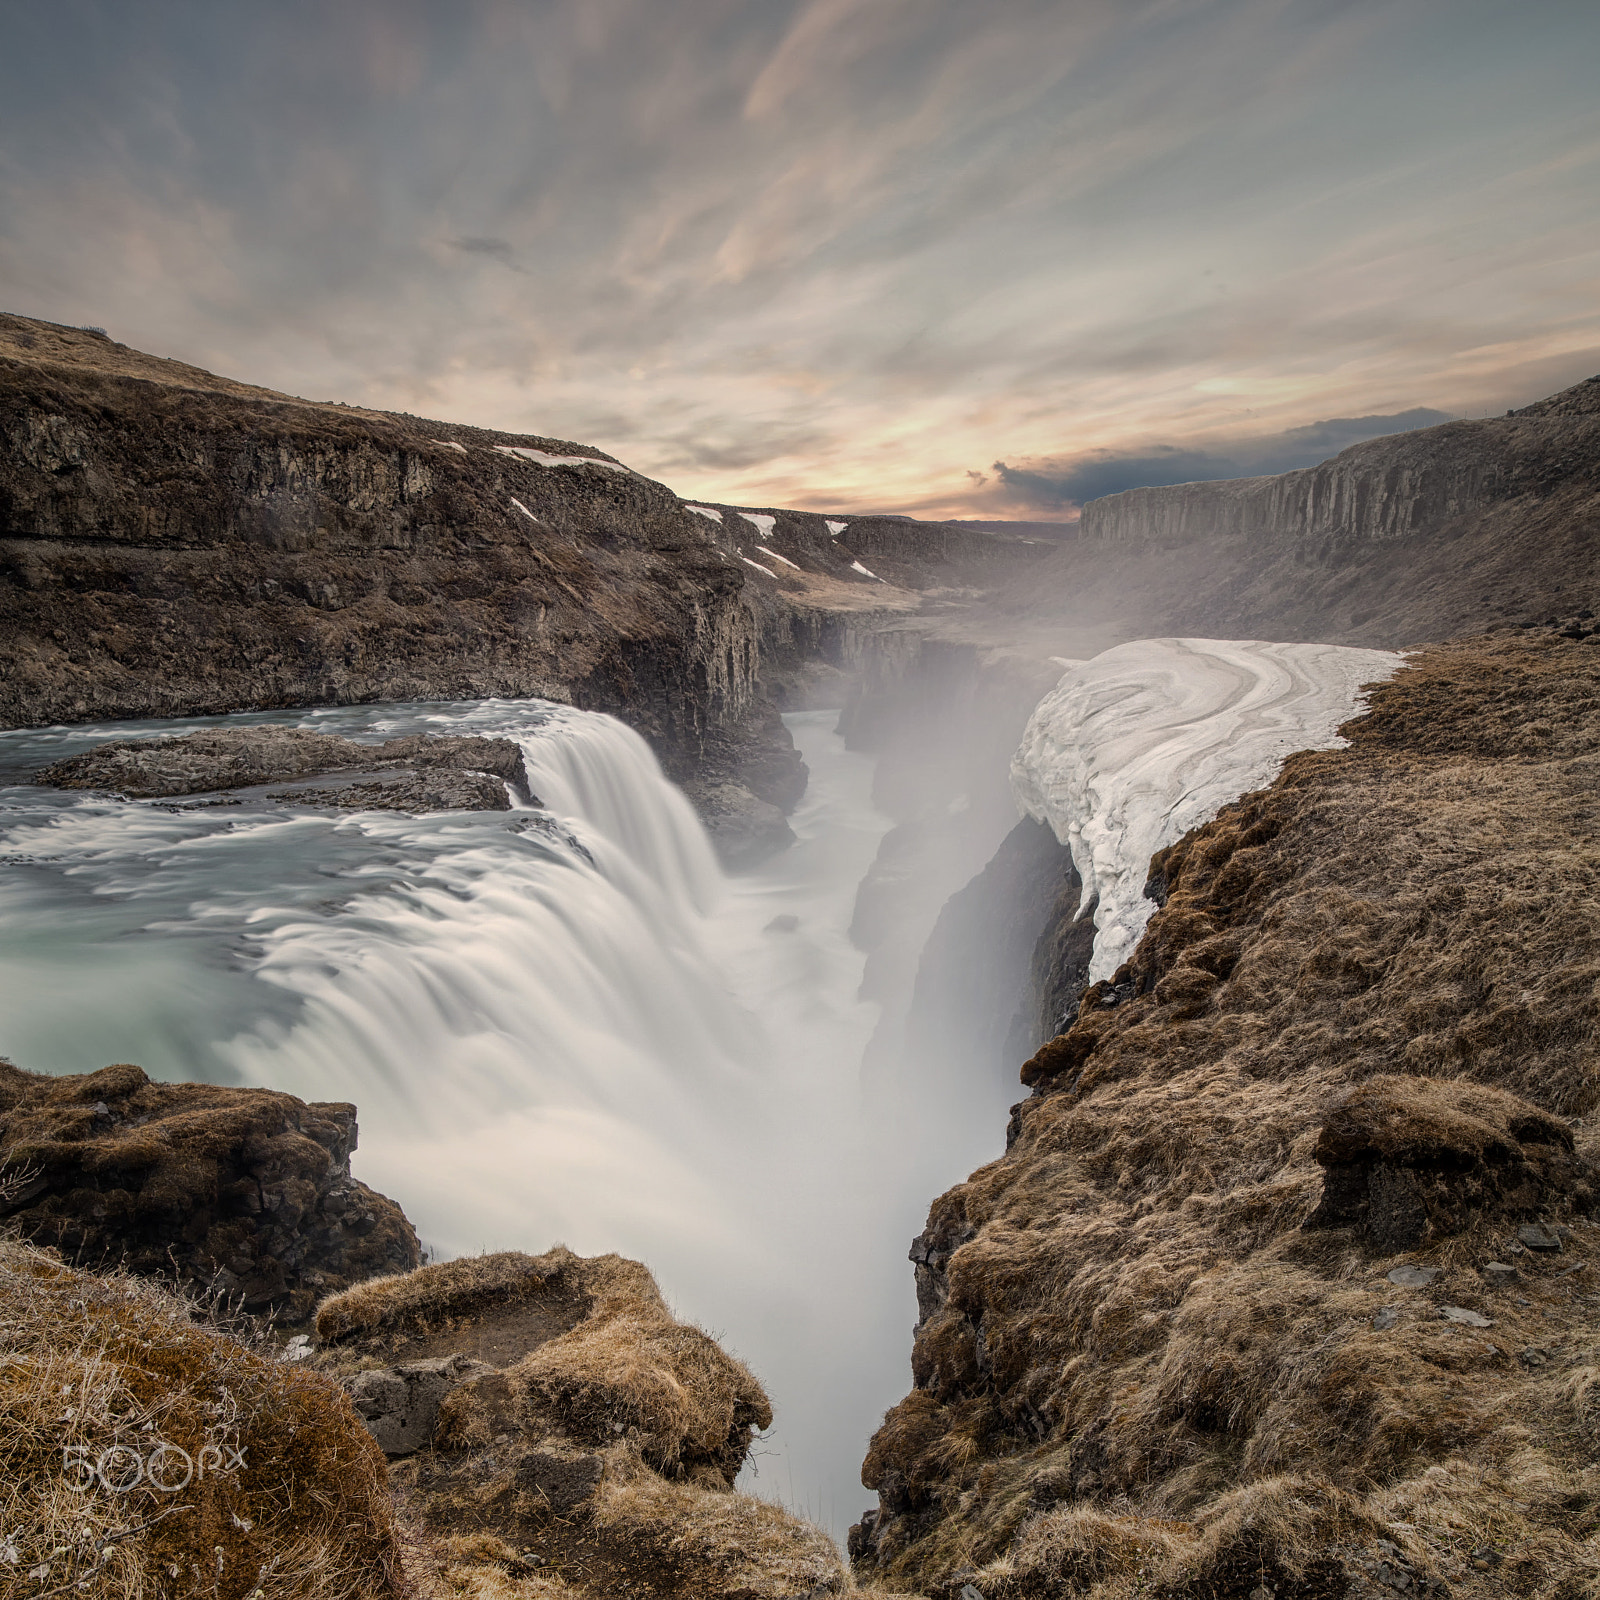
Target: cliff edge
1286,1281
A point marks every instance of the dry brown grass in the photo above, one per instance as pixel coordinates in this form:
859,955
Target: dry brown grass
615,1361
405,1306
741,1545
292,1498
1138,1327
631,1366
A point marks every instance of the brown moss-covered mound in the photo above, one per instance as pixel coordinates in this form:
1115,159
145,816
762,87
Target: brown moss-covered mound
594,1456
142,1455
1371,1000
247,1190
494,1308
586,1348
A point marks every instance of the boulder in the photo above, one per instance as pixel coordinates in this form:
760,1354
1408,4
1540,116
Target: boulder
1411,1159
400,1404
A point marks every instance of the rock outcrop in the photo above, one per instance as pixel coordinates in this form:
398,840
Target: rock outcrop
422,772
244,1191
552,1408
1284,1279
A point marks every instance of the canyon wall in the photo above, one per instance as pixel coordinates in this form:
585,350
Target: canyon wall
1396,487
1284,1281
173,543
1398,541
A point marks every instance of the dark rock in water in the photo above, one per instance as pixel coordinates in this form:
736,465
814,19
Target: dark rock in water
1410,1159
749,777
416,792
247,1190
744,830
434,773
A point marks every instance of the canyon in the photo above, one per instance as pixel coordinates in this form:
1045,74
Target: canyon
1339,1027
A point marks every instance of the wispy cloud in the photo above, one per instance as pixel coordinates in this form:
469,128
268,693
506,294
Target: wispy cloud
839,252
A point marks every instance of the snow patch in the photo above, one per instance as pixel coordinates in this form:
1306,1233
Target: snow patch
525,511
776,557
1146,741
856,566
703,511
762,524
836,528
450,444
543,458
759,568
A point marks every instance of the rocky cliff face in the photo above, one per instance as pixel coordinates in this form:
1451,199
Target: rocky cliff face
1421,536
1285,1281
1398,487
173,543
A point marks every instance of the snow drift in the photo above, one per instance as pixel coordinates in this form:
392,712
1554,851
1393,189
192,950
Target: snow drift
1145,741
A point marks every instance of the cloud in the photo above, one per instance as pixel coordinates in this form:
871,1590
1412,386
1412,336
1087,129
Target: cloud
1059,485
496,249
833,249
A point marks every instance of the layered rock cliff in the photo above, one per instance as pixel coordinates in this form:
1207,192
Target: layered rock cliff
244,1191
1419,536
1397,487
174,543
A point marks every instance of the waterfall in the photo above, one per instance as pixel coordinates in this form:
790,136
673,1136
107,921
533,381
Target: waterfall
559,1023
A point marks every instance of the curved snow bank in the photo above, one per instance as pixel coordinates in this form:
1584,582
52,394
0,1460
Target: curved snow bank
1135,747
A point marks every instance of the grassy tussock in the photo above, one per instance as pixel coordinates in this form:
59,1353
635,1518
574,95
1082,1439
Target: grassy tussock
432,1299
631,1365
752,1548
1139,1330
91,1362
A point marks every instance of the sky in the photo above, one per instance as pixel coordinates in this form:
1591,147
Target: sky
924,256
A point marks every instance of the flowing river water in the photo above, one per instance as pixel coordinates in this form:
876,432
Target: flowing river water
560,1024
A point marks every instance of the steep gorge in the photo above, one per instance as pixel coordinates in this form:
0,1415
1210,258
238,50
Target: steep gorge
1166,1342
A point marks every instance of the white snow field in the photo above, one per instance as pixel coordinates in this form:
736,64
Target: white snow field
1145,741
543,458
762,523
703,511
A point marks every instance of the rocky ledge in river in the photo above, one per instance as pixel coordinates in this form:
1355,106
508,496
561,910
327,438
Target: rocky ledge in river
422,772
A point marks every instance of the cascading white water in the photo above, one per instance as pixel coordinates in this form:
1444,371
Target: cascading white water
558,1024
